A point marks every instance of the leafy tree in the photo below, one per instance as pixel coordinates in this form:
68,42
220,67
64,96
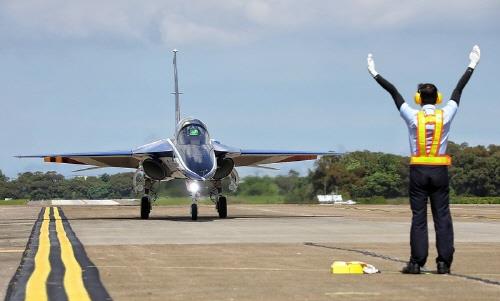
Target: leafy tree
361,174
3,178
174,188
258,186
475,170
120,185
105,177
76,188
287,183
294,188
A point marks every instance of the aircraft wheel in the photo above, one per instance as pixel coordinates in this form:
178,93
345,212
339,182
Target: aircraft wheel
194,212
222,207
145,207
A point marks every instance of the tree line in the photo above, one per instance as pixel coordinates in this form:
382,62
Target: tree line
361,174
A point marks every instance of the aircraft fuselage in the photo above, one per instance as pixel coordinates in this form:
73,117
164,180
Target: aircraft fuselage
193,150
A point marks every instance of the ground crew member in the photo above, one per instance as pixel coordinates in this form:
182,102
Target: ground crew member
428,130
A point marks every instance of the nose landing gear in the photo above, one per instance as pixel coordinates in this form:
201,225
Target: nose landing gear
194,211
145,207
221,206
146,200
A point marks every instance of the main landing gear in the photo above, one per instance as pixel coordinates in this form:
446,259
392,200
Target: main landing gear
221,206
219,200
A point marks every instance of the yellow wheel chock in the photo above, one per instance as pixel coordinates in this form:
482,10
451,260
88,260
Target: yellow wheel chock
351,267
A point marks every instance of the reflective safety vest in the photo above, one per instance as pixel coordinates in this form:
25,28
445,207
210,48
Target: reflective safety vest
431,156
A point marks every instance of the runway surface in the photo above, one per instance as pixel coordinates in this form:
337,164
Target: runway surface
260,252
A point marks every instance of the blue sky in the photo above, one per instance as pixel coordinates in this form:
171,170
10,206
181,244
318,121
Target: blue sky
96,75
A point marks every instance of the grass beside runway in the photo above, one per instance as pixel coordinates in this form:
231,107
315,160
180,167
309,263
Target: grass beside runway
274,199
453,200
14,202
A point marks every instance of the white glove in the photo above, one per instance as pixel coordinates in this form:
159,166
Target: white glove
474,56
371,65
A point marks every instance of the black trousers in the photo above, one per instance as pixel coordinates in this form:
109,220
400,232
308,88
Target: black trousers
430,182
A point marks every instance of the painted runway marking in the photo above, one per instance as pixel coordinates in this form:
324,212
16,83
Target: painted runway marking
220,268
54,265
73,281
35,288
352,294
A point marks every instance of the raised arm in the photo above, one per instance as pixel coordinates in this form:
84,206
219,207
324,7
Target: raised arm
396,96
474,57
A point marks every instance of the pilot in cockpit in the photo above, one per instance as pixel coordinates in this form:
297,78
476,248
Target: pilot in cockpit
193,135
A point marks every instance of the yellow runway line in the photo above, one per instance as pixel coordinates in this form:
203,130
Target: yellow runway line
73,281
36,287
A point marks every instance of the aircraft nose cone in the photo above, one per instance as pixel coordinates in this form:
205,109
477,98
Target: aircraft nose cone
194,176
205,174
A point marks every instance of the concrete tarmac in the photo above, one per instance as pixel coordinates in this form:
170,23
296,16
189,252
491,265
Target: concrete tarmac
267,252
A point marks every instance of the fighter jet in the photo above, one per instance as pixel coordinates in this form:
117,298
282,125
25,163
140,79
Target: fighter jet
191,154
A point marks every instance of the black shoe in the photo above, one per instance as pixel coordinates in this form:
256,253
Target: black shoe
443,268
411,268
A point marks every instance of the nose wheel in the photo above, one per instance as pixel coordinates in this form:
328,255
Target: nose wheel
194,212
148,198
222,206
194,206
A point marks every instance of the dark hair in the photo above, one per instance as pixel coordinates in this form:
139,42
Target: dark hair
428,93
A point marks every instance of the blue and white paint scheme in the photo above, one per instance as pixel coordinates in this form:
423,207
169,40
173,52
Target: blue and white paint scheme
190,154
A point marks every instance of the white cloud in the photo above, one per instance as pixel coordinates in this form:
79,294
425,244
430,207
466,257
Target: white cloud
232,21
182,31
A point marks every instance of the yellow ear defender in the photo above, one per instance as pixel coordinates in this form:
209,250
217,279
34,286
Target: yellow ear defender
418,98
439,98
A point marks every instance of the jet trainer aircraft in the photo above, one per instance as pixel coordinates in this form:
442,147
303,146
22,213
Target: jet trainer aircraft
191,155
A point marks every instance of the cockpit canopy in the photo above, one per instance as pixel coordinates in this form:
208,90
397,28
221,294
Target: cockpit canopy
194,147
192,132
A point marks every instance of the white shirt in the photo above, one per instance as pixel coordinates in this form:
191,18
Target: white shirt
410,117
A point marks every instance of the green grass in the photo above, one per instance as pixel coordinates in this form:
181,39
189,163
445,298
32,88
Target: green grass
474,200
13,202
165,201
453,200
257,199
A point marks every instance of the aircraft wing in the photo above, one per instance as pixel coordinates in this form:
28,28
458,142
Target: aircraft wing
125,159
254,157
248,157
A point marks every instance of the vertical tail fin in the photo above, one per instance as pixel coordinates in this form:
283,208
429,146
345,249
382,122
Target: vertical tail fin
176,91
